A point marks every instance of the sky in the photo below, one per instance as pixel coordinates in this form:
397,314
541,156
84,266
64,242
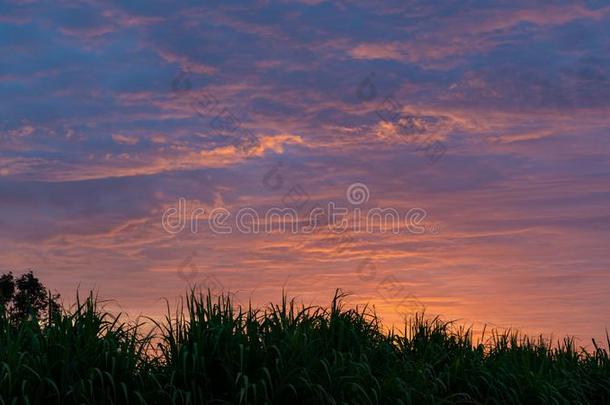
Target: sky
488,120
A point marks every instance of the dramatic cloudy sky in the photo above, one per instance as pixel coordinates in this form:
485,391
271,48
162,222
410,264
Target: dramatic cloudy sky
493,118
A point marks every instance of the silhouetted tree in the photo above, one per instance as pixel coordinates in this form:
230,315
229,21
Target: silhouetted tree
26,298
7,289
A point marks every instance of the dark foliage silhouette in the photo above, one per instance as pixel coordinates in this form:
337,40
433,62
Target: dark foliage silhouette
25,297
